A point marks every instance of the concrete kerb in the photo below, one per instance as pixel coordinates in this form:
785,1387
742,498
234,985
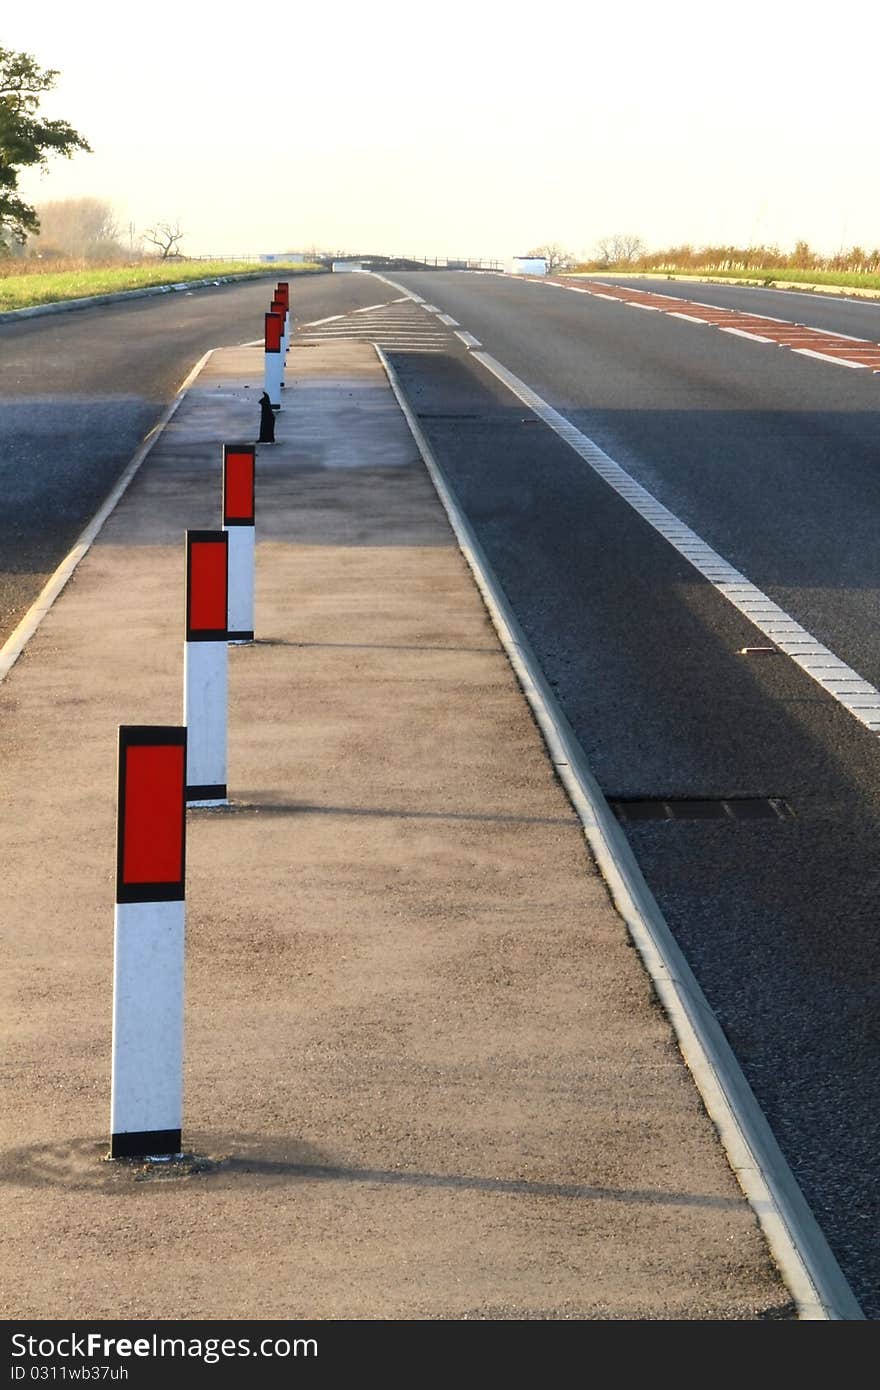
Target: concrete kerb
800,1249
21,635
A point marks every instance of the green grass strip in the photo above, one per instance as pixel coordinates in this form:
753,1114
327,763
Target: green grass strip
25,291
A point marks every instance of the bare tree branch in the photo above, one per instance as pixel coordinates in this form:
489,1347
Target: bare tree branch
165,236
556,256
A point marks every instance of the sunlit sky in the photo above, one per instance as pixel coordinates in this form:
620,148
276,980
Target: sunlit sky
468,127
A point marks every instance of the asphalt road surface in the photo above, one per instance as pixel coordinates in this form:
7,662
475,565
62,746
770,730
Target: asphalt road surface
839,313
79,390
772,458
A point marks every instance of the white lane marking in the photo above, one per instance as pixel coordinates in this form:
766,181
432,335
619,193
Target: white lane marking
450,322
717,321
634,304
827,332
370,307
862,700
430,308
313,323
255,342
341,329
21,635
468,339
807,1264
365,326
755,337
824,357
411,338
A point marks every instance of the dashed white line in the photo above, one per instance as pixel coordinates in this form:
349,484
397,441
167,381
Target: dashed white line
850,337
863,702
741,333
824,357
841,682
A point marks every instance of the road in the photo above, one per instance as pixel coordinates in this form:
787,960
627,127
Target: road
79,390
771,458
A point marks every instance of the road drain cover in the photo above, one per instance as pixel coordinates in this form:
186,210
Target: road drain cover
731,808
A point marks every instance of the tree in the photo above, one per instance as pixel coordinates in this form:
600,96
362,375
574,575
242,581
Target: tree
556,256
84,227
619,250
166,236
26,139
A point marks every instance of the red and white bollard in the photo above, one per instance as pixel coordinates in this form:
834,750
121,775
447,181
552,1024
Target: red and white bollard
279,307
206,666
282,296
274,358
146,1104
238,522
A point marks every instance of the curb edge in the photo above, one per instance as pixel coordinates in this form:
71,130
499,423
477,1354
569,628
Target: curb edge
21,634
802,1254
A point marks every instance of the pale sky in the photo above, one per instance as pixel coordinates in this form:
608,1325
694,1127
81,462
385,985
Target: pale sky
465,128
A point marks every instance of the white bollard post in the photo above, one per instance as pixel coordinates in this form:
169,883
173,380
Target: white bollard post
205,668
238,522
274,359
146,1101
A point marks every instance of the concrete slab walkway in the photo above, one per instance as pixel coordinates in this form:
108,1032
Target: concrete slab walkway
425,1073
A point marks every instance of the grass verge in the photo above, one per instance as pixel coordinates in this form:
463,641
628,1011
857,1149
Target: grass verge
23,291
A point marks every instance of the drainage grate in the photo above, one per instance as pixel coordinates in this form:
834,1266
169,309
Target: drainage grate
730,808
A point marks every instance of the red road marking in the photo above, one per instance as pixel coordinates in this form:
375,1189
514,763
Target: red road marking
860,352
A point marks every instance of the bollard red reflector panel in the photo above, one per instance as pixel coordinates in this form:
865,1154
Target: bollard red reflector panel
274,328
207,570
282,290
238,484
151,825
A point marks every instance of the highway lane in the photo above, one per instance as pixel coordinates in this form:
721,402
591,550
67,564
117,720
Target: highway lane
770,457
79,391
773,459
